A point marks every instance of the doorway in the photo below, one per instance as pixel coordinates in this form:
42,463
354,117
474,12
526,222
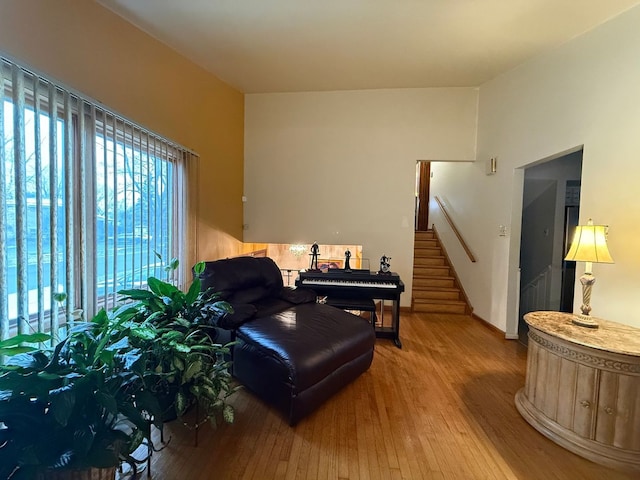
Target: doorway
550,212
423,178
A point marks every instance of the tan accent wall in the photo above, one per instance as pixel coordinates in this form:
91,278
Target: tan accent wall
95,52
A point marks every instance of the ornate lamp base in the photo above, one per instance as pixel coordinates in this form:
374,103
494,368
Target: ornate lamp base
584,321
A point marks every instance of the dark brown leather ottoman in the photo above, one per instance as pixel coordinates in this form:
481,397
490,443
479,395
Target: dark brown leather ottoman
296,359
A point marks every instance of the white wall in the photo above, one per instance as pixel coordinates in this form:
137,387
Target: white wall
584,93
339,167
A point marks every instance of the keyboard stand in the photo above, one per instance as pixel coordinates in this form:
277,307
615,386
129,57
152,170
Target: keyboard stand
363,305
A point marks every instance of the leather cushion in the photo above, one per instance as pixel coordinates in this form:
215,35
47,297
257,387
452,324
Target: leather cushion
298,295
309,341
242,312
242,279
249,295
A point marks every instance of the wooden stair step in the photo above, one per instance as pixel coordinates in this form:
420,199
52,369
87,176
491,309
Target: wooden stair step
427,252
432,243
429,260
431,271
440,306
436,293
424,235
430,281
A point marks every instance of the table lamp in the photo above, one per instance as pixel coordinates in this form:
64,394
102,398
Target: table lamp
589,245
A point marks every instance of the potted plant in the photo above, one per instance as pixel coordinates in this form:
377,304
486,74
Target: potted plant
175,331
75,407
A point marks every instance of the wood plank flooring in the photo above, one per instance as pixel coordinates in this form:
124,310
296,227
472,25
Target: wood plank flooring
440,408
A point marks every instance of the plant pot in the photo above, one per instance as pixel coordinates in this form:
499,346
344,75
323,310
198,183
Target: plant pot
87,474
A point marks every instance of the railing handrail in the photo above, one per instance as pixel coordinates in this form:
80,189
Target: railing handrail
536,280
455,230
535,294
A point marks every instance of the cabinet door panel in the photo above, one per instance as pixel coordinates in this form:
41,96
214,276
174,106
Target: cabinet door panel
551,390
607,407
627,417
532,370
542,357
567,393
585,401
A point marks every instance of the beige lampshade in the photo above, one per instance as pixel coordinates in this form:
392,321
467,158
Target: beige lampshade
589,244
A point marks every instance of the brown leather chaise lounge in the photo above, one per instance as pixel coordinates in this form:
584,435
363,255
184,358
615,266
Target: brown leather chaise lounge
292,352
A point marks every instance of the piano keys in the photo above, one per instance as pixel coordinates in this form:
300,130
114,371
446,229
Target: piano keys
359,285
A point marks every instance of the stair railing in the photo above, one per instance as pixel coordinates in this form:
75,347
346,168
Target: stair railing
455,230
534,296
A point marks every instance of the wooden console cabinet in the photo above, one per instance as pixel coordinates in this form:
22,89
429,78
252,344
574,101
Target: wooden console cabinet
582,387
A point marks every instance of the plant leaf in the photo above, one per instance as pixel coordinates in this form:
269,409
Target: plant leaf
121,344
25,338
126,311
100,318
149,402
161,288
137,294
28,361
172,336
181,403
144,332
181,347
193,292
108,402
192,370
178,363
228,414
62,402
198,268
60,297
130,358
173,264
9,351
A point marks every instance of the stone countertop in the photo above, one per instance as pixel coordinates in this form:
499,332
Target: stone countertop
610,336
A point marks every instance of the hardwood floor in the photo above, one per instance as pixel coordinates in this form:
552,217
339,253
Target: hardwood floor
440,408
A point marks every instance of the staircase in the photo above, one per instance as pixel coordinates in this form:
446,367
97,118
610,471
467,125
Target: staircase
435,287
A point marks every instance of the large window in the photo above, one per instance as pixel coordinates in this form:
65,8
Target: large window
90,204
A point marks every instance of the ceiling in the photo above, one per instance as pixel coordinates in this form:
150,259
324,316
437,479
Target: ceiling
305,45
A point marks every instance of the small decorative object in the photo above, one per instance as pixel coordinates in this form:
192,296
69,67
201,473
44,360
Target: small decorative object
347,256
313,267
385,266
589,245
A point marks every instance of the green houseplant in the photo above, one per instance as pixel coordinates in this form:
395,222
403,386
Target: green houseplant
77,406
90,401
183,365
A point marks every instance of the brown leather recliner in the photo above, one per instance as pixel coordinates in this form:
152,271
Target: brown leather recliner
291,352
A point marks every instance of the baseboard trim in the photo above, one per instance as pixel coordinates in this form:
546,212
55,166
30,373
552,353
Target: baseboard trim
491,327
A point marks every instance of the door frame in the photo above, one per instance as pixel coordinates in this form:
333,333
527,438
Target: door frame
513,274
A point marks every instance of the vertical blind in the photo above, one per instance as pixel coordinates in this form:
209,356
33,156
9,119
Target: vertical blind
90,204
